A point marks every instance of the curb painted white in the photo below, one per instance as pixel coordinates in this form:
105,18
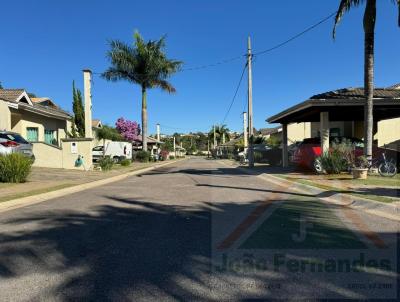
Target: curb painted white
34,199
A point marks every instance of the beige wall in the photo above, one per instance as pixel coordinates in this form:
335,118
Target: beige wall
298,131
54,157
388,132
47,156
5,116
84,149
21,121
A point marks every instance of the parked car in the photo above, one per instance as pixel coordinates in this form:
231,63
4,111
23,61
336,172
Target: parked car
307,152
115,150
11,142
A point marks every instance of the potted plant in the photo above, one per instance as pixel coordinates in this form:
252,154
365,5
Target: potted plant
360,168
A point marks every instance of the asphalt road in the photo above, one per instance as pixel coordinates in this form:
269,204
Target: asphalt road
194,230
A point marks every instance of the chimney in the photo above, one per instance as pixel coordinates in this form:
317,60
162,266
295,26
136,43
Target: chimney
87,78
158,132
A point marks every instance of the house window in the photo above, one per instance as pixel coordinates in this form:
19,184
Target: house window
334,132
50,137
32,134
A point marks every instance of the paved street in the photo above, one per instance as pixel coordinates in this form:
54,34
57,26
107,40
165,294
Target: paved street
194,230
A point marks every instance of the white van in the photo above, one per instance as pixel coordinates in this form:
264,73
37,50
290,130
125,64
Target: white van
115,150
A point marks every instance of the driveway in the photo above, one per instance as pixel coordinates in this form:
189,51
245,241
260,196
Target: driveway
194,230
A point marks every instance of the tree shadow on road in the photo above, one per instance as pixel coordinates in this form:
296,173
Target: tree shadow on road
127,250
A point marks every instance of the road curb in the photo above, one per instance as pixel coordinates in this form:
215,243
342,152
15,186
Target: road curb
35,199
388,211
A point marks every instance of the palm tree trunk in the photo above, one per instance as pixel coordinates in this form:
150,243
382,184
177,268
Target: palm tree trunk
369,31
144,119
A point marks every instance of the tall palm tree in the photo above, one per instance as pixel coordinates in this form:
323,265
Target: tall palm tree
369,43
144,64
221,134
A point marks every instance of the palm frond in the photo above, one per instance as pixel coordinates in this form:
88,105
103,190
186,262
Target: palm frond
164,85
344,7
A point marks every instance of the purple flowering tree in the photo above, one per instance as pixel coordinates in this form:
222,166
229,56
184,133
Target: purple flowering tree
128,129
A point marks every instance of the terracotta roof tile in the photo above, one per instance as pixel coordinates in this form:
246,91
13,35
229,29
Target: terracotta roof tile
10,95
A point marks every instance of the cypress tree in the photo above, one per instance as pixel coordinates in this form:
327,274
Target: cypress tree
79,112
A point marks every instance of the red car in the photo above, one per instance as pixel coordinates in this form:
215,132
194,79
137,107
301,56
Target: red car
306,154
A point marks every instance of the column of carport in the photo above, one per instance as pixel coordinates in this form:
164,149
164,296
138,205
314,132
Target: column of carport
324,131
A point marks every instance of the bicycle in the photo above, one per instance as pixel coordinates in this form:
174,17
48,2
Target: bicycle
386,167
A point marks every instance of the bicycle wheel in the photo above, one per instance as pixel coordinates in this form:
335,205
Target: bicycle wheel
387,169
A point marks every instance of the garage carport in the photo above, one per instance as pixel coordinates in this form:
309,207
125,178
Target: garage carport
339,105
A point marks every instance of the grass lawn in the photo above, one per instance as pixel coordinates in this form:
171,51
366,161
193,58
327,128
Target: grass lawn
34,192
43,180
372,180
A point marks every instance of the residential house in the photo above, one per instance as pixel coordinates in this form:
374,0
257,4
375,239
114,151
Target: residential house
36,119
341,113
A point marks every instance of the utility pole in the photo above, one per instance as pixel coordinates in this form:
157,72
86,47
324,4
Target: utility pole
250,102
174,147
215,139
208,148
245,141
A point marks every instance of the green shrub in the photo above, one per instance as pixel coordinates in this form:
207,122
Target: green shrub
143,156
106,163
14,167
164,155
125,162
171,157
333,162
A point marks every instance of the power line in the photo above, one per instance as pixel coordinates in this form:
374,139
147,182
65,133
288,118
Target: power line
213,64
295,36
226,61
234,96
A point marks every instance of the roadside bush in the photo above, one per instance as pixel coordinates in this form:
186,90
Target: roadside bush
14,168
171,157
106,163
143,156
333,162
125,162
164,155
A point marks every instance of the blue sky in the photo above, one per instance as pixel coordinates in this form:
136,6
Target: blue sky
45,44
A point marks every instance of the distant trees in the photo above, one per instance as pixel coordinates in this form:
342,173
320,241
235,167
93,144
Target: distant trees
107,133
1,86
192,142
78,122
221,134
144,64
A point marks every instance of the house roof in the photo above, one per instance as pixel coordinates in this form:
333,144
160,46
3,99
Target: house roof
395,86
45,101
268,131
42,106
358,93
343,105
96,123
11,95
149,140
